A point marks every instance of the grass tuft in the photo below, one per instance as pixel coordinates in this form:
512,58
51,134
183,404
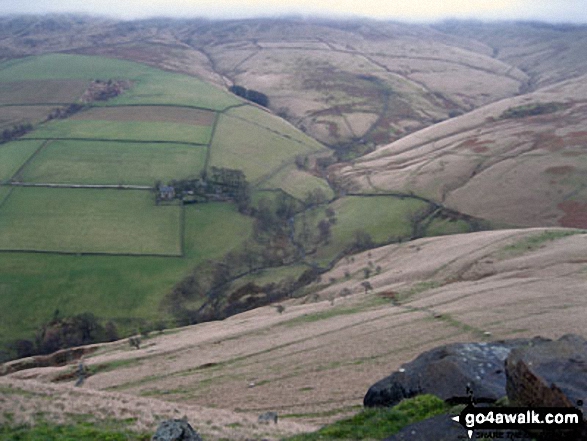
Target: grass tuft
379,423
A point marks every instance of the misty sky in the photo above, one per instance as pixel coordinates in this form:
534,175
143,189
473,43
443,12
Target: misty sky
411,10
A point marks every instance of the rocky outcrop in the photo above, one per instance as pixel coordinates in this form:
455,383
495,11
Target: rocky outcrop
451,372
533,373
549,374
176,430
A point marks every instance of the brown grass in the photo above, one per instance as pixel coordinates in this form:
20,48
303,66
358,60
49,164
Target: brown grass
316,360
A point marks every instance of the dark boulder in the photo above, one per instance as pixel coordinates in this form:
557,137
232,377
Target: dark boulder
450,372
176,430
550,374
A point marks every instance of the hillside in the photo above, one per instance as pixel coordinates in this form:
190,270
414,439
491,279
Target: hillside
351,85
314,362
78,212
519,161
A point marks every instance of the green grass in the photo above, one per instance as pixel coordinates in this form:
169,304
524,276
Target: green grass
88,162
213,229
271,122
13,155
384,218
77,432
298,183
253,149
4,193
377,424
88,221
32,286
150,85
534,242
441,227
123,130
324,315
273,275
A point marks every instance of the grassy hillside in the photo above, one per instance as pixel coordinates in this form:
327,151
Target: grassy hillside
162,127
519,161
81,221
315,360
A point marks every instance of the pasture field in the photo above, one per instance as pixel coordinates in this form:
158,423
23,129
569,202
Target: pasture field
42,91
126,289
14,115
150,85
273,123
4,192
88,221
13,155
255,150
213,229
90,162
170,114
124,130
384,218
297,183
441,227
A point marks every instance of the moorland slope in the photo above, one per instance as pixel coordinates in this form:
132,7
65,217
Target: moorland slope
314,361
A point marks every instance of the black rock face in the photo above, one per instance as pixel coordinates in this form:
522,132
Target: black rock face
451,372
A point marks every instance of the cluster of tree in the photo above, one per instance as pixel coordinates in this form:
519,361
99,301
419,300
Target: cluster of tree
101,90
207,294
65,332
273,245
16,132
65,112
531,110
251,95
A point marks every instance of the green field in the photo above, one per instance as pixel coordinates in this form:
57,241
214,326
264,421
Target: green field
13,155
150,85
253,149
213,229
440,227
298,183
32,286
90,162
384,218
124,130
4,193
88,221
273,123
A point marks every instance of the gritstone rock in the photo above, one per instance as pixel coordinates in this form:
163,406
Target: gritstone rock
447,372
550,374
175,430
268,417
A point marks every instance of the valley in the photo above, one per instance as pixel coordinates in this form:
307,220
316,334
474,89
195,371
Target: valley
405,186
